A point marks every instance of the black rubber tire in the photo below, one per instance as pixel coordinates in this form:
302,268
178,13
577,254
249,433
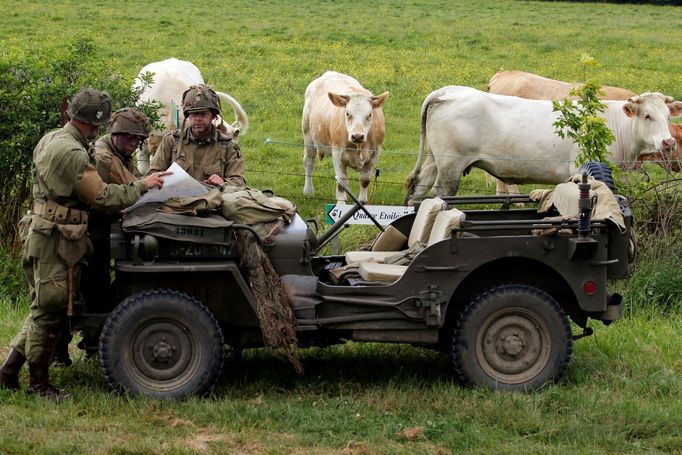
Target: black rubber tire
161,343
599,171
511,337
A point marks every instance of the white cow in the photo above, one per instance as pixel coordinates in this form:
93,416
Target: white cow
343,119
535,87
171,78
514,139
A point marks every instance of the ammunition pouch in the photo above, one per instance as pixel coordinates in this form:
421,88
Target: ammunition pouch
71,224
51,211
73,243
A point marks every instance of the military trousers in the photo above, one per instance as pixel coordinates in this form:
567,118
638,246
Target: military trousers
48,275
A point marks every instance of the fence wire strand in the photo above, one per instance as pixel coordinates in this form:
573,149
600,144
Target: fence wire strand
416,154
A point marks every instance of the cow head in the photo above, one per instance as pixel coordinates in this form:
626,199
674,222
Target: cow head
650,112
358,112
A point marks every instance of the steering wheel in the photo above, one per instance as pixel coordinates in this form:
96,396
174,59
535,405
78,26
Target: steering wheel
357,202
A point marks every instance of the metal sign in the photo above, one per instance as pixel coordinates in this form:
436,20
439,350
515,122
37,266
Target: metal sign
384,214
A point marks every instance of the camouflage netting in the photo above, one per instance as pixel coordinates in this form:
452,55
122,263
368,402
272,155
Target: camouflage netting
275,314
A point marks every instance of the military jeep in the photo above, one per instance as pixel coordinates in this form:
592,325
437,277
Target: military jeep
494,289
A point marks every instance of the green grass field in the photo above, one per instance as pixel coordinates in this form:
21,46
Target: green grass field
623,387
264,53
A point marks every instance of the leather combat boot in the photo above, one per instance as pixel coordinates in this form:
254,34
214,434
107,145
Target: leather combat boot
9,372
39,381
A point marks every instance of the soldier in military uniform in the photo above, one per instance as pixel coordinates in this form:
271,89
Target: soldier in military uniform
65,186
113,153
202,150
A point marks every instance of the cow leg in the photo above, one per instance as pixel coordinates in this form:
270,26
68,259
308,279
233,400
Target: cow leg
309,153
504,189
424,181
447,182
365,176
340,172
427,177
501,188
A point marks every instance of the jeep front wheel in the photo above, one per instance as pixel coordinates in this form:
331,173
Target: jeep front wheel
511,337
161,343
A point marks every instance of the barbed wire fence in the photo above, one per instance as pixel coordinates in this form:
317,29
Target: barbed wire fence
628,165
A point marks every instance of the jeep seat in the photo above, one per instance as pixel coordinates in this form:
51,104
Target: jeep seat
388,272
394,239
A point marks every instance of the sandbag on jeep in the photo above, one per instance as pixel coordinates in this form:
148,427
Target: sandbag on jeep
212,229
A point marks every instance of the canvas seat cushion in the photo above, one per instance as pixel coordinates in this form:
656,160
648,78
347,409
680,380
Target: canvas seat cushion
444,223
442,229
384,273
390,240
368,256
423,221
419,233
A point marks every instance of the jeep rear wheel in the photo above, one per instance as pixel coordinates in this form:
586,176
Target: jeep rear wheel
161,343
512,337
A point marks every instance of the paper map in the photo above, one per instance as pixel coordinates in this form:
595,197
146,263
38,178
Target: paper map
178,184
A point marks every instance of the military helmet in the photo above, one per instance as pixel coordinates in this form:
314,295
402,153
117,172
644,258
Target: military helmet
200,98
90,106
129,121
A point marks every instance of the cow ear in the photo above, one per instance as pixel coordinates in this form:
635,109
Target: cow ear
378,101
630,109
338,100
675,108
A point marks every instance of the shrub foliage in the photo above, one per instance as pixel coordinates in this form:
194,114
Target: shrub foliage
32,87
581,122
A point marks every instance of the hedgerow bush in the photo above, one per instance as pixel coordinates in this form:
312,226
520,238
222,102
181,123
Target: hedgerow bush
656,280
32,87
12,281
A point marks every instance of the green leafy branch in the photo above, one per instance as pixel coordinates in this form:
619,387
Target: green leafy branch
581,122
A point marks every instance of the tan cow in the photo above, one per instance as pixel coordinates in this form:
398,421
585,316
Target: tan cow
171,77
673,161
534,87
342,118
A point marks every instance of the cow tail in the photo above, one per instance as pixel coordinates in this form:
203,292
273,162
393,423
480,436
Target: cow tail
413,179
241,119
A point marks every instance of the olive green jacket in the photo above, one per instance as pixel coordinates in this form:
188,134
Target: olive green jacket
112,165
64,172
219,154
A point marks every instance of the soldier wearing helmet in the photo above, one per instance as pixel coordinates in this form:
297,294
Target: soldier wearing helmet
113,152
203,151
66,186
